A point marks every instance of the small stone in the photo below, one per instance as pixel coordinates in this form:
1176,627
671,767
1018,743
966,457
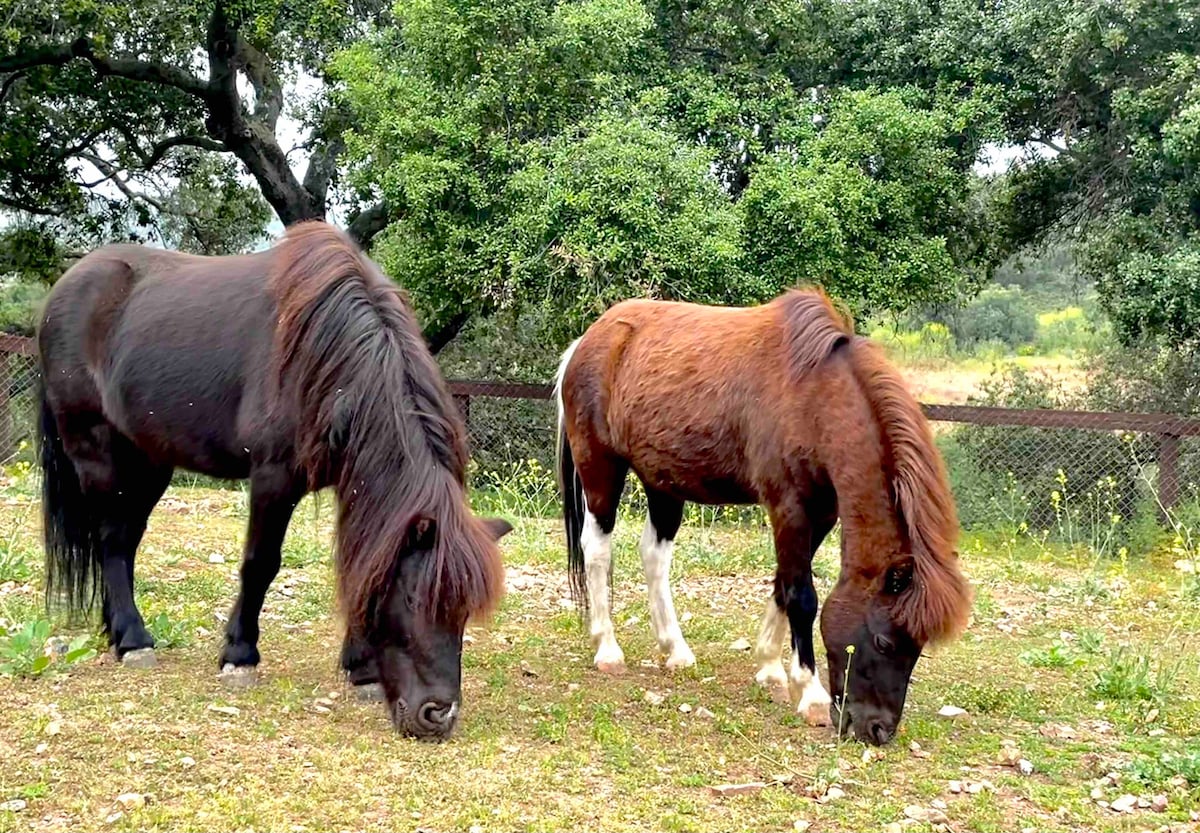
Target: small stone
801,825
53,728
893,827
1143,803
740,645
187,762
141,659
726,790
975,788
704,713
14,806
1159,803
685,708
951,712
916,812
938,804
1152,715
1124,804
322,710
527,669
216,558
572,686
1096,793
475,828
231,711
1057,730
41,748
956,787
916,751
131,801
113,818
834,793
1157,733
653,698
324,701
1025,767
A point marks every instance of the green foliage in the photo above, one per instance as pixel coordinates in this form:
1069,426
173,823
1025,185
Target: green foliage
860,207
1163,771
170,633
1058,655
529,167
997,313
27,650
1128,677
19,306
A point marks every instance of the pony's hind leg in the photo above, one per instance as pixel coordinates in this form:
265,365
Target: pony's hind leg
120,487
274,492
600,516
658,540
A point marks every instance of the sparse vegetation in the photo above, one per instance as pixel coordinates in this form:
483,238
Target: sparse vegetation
548,743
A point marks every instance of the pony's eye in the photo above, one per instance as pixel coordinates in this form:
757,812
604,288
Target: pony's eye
883,644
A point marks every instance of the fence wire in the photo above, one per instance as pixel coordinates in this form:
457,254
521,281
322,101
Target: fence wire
1085,473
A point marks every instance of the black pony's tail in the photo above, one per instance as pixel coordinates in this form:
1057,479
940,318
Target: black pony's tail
574,505
72,540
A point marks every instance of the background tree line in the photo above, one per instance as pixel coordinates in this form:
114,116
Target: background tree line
519,165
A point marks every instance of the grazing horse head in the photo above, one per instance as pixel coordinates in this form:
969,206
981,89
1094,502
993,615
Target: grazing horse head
900,586
375,420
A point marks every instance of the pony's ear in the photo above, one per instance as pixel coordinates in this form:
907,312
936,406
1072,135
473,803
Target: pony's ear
899,577
496,527
422,534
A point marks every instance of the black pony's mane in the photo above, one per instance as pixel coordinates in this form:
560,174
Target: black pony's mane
375,420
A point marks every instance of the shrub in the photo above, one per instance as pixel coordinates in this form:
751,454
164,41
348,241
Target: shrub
997,314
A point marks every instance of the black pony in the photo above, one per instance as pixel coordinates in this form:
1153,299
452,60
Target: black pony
300,367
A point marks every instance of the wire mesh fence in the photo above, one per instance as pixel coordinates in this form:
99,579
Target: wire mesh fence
1052,473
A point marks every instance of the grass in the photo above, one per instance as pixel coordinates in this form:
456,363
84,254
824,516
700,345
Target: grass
547,743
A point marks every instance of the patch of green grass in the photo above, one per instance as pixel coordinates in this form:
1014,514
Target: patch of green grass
548,743
1128,676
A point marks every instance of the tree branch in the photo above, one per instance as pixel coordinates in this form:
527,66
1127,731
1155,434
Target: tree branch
161,148
322,165
114,176
368,222
41,56
134,69
31,208
446,333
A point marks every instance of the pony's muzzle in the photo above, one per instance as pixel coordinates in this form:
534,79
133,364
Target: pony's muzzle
433,720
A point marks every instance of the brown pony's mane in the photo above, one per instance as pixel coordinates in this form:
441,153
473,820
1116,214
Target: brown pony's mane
937,605
375,420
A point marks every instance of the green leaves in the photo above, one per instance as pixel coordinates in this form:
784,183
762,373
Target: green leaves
25,651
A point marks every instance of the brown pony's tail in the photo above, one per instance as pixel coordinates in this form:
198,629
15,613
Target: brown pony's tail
574,504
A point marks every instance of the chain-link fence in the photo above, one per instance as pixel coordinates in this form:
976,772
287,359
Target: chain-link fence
1066,474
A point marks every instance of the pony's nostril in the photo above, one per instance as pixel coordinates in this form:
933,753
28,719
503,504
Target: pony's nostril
880,732
437,716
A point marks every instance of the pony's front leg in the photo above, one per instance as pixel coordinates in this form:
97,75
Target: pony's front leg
362,669
768,649
796,539
274,493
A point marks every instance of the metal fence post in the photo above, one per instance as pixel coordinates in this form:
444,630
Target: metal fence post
1168,471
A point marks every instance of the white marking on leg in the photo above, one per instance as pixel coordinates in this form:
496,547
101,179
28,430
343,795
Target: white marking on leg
812,698
597,561
768,649
656,562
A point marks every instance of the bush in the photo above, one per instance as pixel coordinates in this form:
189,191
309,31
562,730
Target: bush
1000,314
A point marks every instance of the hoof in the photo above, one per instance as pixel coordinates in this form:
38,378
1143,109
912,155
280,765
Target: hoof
369,693
610,666
817,715
140,658
238,676
681,658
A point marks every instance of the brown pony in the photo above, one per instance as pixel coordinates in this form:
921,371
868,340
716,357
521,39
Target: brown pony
299,368
784,406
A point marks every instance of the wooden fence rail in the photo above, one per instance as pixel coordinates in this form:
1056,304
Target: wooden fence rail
1169,428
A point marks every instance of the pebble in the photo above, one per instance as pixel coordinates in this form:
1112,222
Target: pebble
653,698
956,787
742,644
951,712
738,789
1124,804
704,713
14,806
131,801
1159,804
231,711
685,708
